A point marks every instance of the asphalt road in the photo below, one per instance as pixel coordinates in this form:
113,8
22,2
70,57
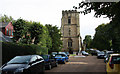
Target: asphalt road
81,64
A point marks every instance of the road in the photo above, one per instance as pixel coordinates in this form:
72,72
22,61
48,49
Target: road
81,64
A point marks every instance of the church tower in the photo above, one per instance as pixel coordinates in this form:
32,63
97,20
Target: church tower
70,29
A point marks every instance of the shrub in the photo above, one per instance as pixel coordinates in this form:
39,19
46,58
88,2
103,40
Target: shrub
10,50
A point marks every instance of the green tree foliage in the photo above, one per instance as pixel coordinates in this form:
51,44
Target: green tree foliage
88,41
46,40
5,18
11,50
102,40
35,30
101,8
55,35
111,10
35,33
20,30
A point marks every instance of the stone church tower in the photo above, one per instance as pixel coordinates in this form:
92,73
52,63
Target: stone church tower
70,29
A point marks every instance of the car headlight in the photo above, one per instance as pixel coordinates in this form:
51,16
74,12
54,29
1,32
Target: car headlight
19,70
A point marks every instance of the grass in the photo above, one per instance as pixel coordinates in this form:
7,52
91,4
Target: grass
72,54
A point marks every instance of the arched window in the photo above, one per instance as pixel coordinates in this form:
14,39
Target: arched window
70,43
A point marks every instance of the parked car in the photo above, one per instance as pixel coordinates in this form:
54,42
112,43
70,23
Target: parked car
62,53
24,64
49,61
61,58
100,54
113,64
67,53
107,54
85,53
54,53
94,52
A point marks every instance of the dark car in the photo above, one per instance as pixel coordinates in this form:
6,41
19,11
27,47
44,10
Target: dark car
24,64
94,52
61,58
49,61
100,54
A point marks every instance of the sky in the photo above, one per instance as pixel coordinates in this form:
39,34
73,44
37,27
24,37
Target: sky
49,12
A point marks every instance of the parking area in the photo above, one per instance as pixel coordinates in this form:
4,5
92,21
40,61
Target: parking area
81,64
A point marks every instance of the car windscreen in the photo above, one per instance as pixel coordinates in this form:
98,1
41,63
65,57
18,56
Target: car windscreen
58,55
116,59
20,60
100,52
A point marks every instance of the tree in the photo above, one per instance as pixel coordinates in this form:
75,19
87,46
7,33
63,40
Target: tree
20,30
55,35
101,8
45,39
5,18
111,10
35,30
102,40
88,41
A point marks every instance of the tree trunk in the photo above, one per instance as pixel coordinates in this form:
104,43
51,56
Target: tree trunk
33,40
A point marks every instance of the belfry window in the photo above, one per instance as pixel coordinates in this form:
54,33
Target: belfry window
69,20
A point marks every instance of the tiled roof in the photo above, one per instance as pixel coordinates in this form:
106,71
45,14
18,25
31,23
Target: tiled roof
4,38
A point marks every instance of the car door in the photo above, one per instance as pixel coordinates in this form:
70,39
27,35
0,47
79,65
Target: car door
40,64
33,64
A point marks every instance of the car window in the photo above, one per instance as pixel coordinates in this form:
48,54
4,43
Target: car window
116,59
45,56
58,55
33,59
20,59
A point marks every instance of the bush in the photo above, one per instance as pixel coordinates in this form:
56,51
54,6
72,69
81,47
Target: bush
10,50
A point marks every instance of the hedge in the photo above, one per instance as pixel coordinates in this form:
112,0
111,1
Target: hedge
10,50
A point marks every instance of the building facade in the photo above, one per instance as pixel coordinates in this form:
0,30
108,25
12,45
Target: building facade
7,29
70,29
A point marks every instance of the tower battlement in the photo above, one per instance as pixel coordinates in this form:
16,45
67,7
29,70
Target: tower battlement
69,11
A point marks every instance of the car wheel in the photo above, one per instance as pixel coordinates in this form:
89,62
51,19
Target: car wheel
50,66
